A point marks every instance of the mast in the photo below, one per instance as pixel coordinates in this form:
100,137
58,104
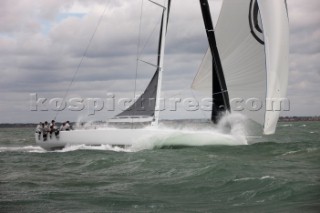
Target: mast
162,40
146,108
220,94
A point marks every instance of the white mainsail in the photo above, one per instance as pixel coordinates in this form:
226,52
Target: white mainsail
252,40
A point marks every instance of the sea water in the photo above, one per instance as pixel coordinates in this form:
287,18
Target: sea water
280,174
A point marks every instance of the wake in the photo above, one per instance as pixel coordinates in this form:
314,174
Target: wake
30,149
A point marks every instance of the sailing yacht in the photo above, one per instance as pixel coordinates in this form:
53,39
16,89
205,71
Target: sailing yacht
247,57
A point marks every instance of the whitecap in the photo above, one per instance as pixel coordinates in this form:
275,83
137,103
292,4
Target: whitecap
95,148
290,152
286,125
229,131
244,179
254,178
35,149
267,177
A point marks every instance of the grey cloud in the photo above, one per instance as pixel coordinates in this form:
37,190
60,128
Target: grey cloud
41,47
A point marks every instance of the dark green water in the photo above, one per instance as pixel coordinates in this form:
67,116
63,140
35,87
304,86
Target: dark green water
281,175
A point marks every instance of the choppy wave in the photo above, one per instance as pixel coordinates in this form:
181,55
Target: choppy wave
308,150
281,175
96,148
188,138
254,178
38,149
35,149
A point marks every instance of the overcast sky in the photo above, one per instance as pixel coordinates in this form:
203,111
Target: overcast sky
42,42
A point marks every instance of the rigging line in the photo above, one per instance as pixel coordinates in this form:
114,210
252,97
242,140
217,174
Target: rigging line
202,112
176,94
148,39
217,93
81,61
194,96
183,90
137,61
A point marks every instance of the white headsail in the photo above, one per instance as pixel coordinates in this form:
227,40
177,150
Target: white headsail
252,40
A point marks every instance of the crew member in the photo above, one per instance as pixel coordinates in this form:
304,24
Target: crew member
39,130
